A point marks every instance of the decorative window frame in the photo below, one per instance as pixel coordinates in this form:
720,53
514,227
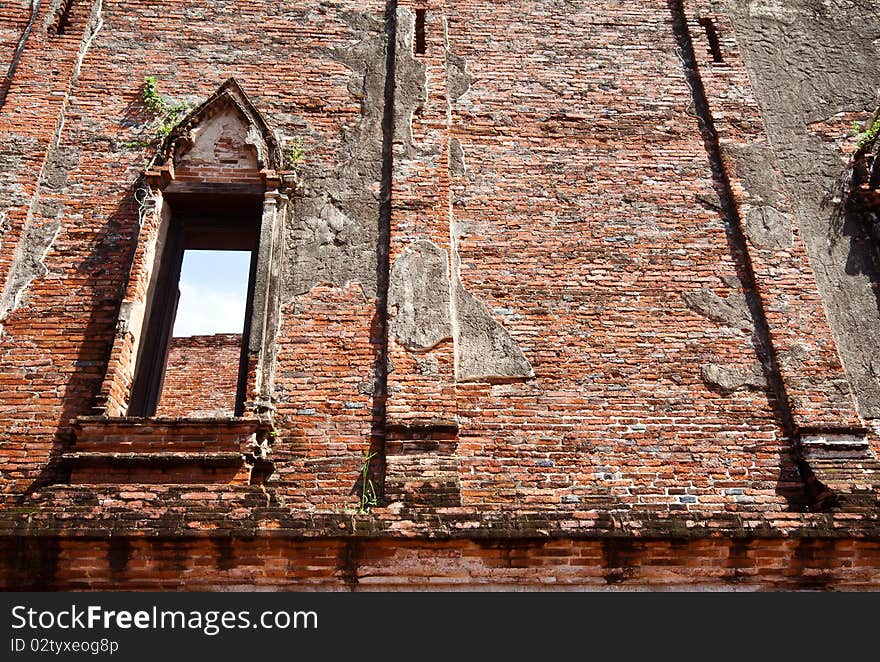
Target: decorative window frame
160,185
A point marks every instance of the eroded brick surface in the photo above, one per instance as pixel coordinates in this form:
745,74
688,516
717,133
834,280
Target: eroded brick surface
201,376
652,343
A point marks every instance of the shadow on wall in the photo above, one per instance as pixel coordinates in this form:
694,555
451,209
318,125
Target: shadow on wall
862,228
104,271
792,481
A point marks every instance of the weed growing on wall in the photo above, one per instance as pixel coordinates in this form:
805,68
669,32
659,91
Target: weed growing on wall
867,136
166,114
294,153
368,498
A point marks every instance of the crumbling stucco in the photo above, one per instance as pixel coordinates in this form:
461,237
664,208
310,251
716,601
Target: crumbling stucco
729,379
418,297
766,221
456,158
15,147
421,316
4,226
767,227
37,239
333,225
60,161
332,229
27,265
827,66
485,351
207,143
757,168
731,310
484,348
410,84
458,80
793,360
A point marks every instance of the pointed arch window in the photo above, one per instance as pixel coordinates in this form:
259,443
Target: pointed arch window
214,185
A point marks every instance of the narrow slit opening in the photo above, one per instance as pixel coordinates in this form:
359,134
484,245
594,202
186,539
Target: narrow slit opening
62,19
712,36
420,44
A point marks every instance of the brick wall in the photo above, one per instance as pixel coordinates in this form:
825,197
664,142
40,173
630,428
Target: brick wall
201,375
556,159
379,565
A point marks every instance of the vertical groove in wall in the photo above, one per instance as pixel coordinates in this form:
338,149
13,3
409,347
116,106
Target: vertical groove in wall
736,236
383,250
22,42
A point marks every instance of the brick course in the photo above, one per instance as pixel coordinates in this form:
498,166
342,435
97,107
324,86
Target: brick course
201,376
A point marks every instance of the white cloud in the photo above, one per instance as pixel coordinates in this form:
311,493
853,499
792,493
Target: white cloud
205,311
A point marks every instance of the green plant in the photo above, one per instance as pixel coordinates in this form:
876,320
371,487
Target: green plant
868,136
294,153
166,114
154,102
369,498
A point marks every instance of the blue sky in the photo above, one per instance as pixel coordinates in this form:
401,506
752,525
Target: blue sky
213,291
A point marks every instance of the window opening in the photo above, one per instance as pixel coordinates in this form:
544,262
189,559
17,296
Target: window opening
213,292
420,43
712,36
201,370
204,287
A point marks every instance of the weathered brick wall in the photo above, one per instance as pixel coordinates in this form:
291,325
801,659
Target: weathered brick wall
380,565
14,19
57,339
548,160
201,376
579,222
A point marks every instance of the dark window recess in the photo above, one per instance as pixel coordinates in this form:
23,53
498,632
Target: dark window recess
712,36
221,223
420,43
62,18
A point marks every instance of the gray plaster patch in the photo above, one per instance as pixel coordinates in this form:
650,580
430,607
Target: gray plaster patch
50,208
333,221
330,241
758,170
410,84
27,264
428,366
731,311
710,200
330,226
767,227
828,66
456,158
418,297
773,10
794,359
458,80
15,148
733,379
485,350
51,13
59,163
